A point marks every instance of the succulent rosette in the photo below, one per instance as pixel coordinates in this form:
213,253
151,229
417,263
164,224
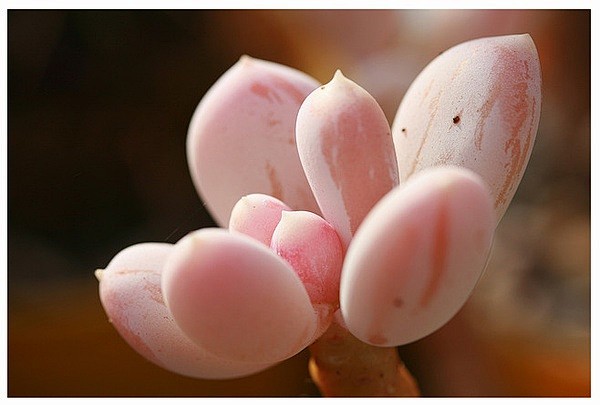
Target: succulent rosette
329,215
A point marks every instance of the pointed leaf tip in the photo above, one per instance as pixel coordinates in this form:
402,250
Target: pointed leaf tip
338,75
345,146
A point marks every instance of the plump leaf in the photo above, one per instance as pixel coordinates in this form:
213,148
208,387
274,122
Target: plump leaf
241,138
346,149
417,256
312,247
237,299
477,105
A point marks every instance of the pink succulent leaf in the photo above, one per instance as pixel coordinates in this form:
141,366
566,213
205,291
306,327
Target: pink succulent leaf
313,249
417,256
236,298
130,292
477,105
241,138
346,149
257,215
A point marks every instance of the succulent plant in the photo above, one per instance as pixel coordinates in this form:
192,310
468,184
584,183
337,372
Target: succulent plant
338,233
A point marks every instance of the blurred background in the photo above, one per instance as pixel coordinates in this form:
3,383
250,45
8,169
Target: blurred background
98,108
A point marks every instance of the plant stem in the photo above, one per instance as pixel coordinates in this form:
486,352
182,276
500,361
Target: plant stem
343,366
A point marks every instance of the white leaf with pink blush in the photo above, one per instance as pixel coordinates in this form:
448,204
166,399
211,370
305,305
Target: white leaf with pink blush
241,138
477,105
417,256
346,150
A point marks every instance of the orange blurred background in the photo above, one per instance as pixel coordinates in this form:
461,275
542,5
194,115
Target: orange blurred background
98,108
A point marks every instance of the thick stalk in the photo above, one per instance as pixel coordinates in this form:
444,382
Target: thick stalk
343,366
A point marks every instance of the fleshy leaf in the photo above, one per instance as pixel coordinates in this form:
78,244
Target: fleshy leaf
131,294
346,149
417,256
477,105
241,138
257,215
236,298
313,249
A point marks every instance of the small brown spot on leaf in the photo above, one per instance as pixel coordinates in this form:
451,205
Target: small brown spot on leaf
398,302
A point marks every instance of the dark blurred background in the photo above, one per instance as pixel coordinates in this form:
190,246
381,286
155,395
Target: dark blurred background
98,108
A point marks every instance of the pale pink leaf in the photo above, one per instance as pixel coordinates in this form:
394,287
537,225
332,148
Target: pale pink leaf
346,149
417,256
257,215
236,298
313,249
477,105
241,138
131,295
